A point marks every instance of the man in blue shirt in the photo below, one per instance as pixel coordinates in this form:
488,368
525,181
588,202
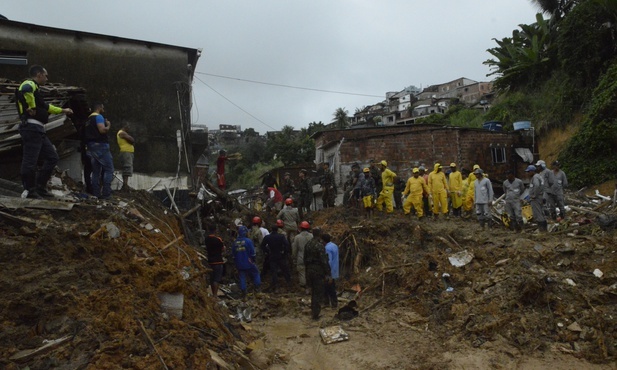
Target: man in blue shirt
97,146
332,252
244,257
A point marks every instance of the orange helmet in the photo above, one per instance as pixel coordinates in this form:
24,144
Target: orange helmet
256,220
305,225
279,223
289,201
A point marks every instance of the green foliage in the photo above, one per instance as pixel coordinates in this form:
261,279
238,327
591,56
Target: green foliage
249,178
591,155
341,118
457,115
313,127
291,147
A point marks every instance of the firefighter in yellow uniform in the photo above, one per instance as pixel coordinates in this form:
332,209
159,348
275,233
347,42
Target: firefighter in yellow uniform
415,187
387,181
456,190
469,195
438,190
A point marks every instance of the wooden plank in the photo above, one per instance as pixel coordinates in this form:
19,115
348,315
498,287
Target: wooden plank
15,203
25,354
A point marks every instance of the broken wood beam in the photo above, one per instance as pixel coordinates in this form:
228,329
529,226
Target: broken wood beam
181,237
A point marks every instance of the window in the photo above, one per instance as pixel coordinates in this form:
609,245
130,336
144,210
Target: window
499,155
12,57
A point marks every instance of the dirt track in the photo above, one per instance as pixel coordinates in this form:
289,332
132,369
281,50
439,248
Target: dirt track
512,306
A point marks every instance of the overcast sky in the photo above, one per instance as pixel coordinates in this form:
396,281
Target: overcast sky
363,47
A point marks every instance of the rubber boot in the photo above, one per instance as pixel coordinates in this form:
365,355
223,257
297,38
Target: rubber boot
543,226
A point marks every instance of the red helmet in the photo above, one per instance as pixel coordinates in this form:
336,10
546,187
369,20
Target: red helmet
279,223
289,201
256,220
305,225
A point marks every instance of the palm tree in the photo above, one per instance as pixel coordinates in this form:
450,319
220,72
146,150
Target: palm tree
341,119
557,9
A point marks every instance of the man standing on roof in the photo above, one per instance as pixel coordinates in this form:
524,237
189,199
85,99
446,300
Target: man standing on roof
220,169
297,251
34,114
328,186
438,191
387,191
483,197
415,188
536,192
456,190
127,150
97,143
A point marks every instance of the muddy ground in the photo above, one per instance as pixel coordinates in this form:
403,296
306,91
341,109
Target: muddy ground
524,301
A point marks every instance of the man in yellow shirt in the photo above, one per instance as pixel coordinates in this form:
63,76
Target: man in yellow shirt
127,150
415,187
387,181
438,190
469,195
456,190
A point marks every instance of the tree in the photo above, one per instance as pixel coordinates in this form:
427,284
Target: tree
250,132
341,120
314,127
291,147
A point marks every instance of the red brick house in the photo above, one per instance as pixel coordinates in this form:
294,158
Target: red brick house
405,147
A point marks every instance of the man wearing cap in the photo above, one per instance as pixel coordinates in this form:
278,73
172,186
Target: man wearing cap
415,188
561,181
369,192
513,188
438,190
536,191
328,186
468,201
387,181
456,190
287,187
483,197
297,251
290,217
306,194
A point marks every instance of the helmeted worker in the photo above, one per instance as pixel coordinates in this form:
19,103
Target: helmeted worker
387,180
297,251
456,190
513,188
369,192
244,257
469,195
438,190
274,199
414,188
536,191
483,197
306,194
291,218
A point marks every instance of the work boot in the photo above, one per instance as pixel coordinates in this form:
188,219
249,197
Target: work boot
43,192
32,194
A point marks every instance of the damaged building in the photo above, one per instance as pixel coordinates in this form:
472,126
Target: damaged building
405,147
144,84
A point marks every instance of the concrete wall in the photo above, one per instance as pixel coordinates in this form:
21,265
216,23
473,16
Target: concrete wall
141,83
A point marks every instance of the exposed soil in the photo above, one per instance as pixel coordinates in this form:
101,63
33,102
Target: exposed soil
525,300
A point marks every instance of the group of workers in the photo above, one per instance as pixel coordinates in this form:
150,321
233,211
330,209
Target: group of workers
290,246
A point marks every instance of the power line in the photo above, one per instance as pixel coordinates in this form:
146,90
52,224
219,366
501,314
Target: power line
290,86
234,104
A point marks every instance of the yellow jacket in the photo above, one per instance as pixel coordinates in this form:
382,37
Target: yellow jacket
437,181
415,186
387,178
456,181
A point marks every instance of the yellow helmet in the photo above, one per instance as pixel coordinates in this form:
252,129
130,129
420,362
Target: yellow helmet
384,163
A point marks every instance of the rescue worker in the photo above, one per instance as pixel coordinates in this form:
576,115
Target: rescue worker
357,185
456,190
561,182
425,200
376,174
414,190
536,191
317,271
328,186
483,197
387,190
126,143
97,147
369,192
34,114
549,180
333,261
438,191
244,257
469,195
214,249
277,247
513,188
297,251
287,187
257,235
399,186
274,199
306,194
290,217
